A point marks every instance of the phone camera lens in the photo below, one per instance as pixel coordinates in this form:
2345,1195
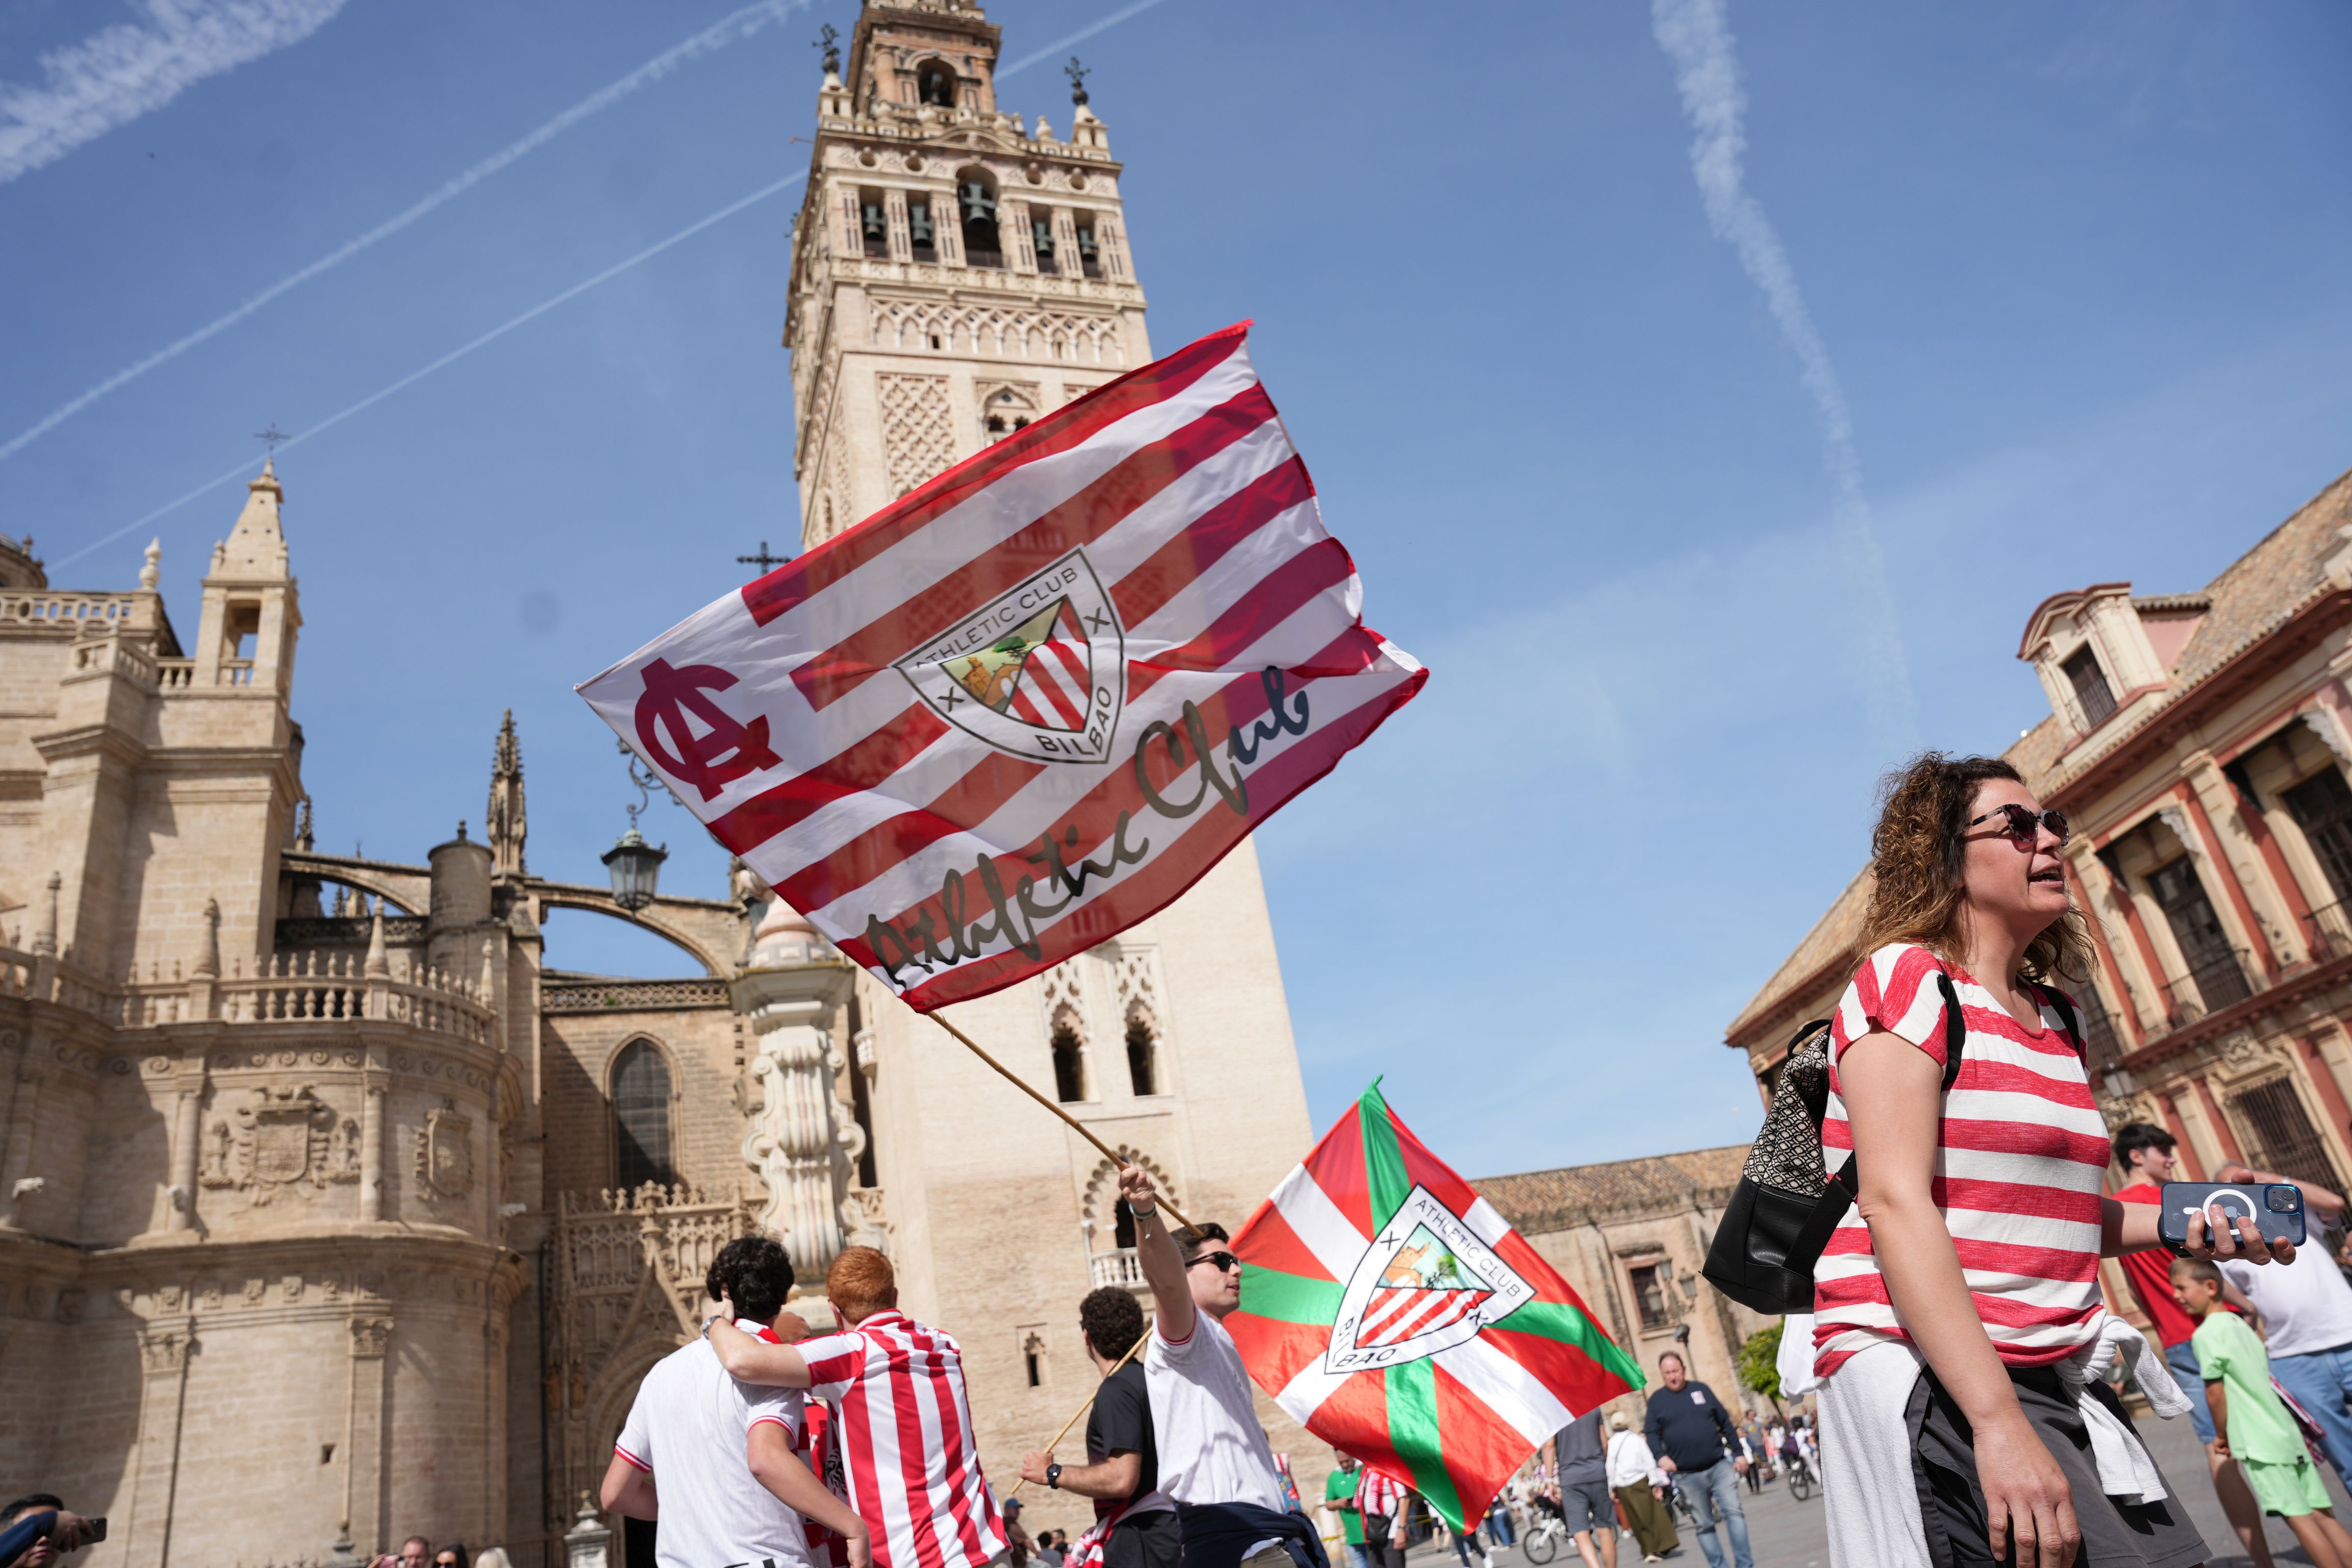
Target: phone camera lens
2283,1200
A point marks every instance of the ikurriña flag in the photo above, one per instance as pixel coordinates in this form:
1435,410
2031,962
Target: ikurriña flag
1029,703
1397,1315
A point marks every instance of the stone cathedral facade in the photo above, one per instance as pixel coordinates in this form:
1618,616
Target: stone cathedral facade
329,1214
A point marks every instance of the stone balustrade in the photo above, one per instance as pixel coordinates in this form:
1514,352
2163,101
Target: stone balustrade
56,607
285,987
1120,1267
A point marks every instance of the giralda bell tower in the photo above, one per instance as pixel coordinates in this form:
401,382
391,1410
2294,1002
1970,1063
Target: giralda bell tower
955,274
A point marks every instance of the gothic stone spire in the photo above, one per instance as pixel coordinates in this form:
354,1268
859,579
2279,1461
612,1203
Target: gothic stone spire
504,819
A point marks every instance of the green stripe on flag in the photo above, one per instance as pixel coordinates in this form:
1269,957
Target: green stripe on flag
1559,1321
1384,1160
1413,1429
1290,1297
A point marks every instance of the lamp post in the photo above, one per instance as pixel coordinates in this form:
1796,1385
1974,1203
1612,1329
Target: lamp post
635,865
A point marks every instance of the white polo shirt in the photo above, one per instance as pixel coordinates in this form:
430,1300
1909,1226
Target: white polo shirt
1212,1448
688,1430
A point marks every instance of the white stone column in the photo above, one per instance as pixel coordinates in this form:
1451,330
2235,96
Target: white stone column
791,995
371,1149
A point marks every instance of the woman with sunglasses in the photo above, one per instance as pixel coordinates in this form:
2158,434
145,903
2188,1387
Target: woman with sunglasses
1956,1306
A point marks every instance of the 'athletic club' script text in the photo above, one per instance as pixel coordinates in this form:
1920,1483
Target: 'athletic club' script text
971,920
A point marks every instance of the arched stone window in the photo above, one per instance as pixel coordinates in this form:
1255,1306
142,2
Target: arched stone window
1069,1063
935,83
1142,1051
641,1117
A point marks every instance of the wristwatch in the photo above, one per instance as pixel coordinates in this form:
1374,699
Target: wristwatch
1054,1476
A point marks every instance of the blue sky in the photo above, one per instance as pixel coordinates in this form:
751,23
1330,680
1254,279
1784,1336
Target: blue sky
2078,275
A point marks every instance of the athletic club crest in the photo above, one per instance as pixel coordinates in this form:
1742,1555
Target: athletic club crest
1040,672
1425,1284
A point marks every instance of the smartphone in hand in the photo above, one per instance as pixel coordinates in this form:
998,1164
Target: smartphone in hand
2275,1208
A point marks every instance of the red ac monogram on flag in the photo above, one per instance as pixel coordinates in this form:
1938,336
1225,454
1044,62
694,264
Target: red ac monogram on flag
725,751
1029,703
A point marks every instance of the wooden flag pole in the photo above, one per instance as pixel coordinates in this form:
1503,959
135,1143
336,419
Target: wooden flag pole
1088,1405
1075,1126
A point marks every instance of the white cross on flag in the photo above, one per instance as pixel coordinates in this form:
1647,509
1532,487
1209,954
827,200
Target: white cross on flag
1025,705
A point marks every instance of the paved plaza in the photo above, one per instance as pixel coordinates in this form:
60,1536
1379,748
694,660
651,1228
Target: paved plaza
1785,1533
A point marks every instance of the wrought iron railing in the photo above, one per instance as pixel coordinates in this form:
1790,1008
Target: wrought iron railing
2212,982
2327,932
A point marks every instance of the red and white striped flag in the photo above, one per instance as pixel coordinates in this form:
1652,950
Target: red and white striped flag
1023,707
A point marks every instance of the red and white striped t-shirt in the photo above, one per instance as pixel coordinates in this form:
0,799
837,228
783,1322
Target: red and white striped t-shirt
906,1441
2021,1151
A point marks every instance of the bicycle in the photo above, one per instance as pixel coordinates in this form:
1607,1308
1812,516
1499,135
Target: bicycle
1542,1540
1800,1483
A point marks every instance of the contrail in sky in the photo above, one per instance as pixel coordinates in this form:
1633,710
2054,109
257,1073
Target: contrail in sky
130,69
453,355
609,273
1693,35
729,29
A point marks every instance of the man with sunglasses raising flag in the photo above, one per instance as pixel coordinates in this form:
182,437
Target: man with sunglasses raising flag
1214,1461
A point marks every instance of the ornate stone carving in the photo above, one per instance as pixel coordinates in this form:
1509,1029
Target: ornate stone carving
865,1220
282,1137
2242,1052
163,1350
445,1152
916,433
370,1336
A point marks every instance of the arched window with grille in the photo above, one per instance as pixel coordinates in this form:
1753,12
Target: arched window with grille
641,1107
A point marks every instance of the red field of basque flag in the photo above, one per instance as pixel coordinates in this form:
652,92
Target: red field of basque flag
1029,703
1396,1316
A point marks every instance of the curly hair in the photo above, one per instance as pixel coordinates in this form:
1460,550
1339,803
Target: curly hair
755,1273
1914,860
1112,1319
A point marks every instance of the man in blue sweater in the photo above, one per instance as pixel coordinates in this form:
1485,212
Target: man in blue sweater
1693,1435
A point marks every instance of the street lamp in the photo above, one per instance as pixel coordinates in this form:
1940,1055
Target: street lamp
635,865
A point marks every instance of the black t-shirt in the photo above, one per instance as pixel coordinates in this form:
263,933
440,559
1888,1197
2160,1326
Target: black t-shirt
1121,1422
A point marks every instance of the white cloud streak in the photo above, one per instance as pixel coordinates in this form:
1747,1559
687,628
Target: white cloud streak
453,355
609,273
738,26
118,73
1696,38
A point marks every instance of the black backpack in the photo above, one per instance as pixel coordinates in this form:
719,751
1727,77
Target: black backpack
1786,1206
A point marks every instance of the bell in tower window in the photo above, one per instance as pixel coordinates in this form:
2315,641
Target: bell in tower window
872,226
920,232
1089,253
976,195
935,84
1042,231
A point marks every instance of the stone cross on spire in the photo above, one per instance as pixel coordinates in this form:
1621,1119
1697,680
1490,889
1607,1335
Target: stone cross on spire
504,820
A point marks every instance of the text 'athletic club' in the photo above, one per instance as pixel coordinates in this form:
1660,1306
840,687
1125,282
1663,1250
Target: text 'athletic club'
1026,705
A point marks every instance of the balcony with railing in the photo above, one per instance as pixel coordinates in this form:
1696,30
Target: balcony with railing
2327,933
1119,1267
2212,982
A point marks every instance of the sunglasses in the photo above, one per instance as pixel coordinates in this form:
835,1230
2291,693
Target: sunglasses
1223,1260
2022,827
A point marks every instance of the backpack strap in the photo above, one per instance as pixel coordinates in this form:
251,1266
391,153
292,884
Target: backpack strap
1845,1184
2053,997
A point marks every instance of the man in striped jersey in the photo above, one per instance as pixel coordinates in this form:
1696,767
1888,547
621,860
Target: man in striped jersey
713,1461
904,1423
1231,1505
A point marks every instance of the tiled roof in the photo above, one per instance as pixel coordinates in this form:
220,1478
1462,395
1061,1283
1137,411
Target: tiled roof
1537,1201
2267,584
